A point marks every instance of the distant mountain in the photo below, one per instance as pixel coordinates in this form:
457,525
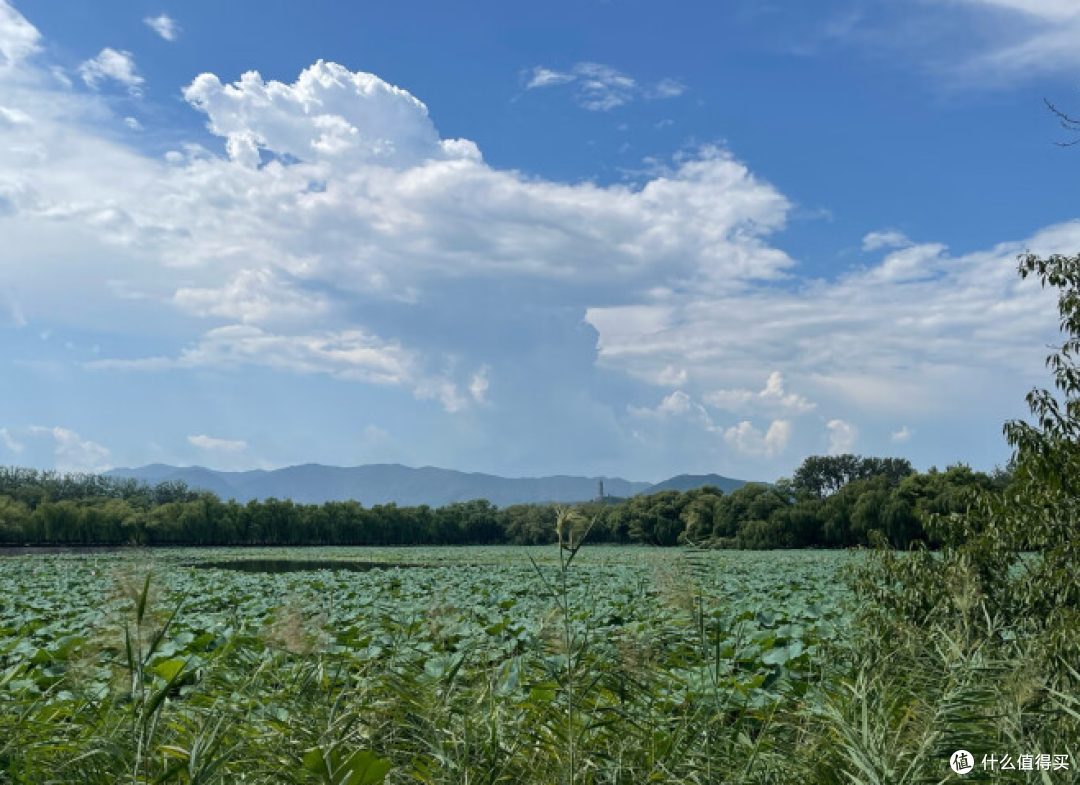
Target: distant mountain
385,483
688,482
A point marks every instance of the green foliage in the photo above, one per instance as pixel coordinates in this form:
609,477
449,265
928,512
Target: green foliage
1016,549
335,767
822,475
756,516
595,665
1003,594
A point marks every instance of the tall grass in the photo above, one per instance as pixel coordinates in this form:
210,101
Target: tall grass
885,708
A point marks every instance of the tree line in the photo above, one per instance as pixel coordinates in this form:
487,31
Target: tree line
829,502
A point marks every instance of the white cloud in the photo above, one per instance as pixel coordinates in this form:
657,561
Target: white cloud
10,442
112,64
842,437
748,440
676,404
71,452
672,376
133,124
546,77
252,297
14,117
771,399
480,384
163,25
351,354
337,187
902,435
329,113
889,238
909,264
333,198
667,88
18,38
599,87
1033,37
209,443
1044,10
744,437
348,355
908,335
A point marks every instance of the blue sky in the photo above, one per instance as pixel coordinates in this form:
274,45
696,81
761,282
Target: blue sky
616,237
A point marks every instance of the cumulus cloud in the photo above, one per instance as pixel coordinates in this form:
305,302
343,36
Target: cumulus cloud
111,64
842,437
378,209
902,435
744,437
164,25
331,217
771,399
329,113
750,441
599,87
338,186
209,443
676,404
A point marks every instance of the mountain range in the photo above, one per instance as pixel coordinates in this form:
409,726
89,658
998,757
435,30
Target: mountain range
383,483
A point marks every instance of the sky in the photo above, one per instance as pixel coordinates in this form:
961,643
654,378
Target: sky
604,237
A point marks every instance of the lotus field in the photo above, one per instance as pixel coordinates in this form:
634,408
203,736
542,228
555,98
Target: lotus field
607,664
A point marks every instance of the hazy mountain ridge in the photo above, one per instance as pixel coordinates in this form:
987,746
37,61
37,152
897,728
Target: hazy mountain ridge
406,486
688,482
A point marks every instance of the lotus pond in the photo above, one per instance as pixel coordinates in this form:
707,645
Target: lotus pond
413,665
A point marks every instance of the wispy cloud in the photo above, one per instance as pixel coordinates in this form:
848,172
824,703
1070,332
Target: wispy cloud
209,443
10,441
164,25
546,77
351,355
599,87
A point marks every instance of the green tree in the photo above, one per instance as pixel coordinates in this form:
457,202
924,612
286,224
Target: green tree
824,475
1011,558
